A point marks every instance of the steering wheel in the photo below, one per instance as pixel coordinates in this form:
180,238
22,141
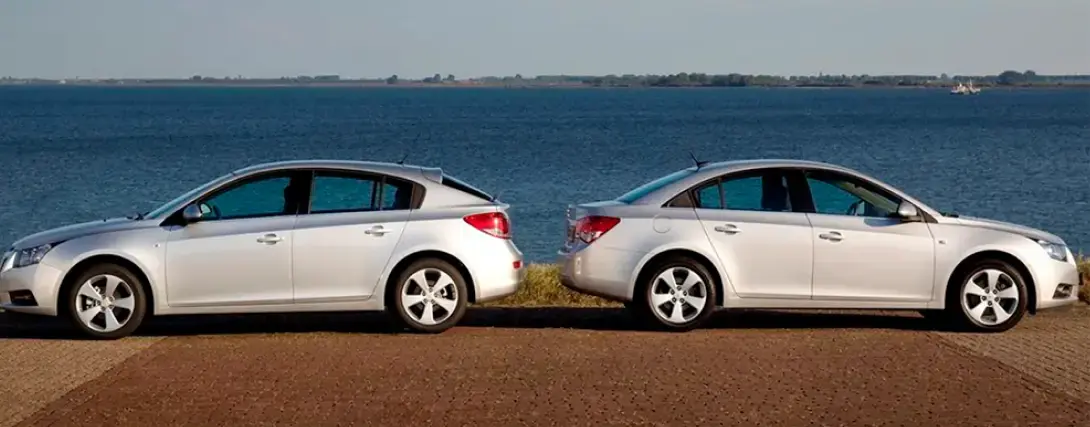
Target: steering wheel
215,211
853,210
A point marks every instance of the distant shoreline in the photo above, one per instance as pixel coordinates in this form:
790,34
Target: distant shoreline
1006,79
376,85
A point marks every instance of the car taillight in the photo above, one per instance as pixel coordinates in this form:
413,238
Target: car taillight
591,228
493,223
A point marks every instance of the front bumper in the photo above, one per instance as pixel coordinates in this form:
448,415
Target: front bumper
1057,284
31,289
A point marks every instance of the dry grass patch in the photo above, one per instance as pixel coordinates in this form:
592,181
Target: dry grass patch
1084,271
542,288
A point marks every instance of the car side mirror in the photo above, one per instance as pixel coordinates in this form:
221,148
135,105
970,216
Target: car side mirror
908,212
192,213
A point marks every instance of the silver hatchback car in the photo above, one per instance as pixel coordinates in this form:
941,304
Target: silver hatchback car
798,234
280,237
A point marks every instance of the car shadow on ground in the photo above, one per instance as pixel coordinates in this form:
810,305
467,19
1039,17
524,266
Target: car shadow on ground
601,319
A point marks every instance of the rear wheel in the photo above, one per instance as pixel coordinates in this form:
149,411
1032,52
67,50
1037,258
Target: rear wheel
106,302
429,296
991,297
678,295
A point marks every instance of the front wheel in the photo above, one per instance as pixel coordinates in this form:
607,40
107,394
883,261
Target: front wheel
430,296
991,298
679,295
106,302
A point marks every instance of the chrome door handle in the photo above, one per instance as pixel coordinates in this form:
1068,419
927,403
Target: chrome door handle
832,236
728,228
376,231
269,239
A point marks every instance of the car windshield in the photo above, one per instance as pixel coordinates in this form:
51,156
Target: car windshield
173,205
652,186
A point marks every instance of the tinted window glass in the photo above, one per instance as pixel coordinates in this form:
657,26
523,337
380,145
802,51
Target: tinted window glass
262,197
462,186
835,194
757,192
396,195
708,197
650,187
334,193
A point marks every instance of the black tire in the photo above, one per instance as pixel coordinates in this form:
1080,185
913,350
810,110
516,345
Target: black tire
406,319
706,287
73,302
958,307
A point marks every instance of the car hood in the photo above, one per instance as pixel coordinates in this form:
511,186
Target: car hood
73,231
1010,228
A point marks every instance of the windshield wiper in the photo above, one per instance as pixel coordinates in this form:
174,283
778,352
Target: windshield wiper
137,216
950,214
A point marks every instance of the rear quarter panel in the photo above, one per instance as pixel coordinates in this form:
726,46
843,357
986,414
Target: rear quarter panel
645,232
484,256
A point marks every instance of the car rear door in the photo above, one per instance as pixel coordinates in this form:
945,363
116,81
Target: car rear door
346,238
765,247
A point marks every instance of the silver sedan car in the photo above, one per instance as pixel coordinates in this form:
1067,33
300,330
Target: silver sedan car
799,234
280,237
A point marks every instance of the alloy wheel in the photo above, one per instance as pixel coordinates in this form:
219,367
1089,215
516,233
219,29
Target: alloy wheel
429,296
105,303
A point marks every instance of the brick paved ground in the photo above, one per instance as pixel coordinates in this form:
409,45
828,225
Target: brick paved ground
549,367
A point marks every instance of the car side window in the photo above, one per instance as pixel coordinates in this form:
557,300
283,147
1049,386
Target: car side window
396,194
709,197
266,196
838,194
761,191
342,193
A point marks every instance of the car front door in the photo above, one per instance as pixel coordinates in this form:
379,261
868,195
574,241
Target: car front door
240,251
343,244
765,247
862,250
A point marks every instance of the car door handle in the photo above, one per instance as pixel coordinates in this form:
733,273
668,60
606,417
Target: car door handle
832,236
728,228
269,239
376,231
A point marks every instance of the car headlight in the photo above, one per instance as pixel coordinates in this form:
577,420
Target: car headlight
31,256
1055,251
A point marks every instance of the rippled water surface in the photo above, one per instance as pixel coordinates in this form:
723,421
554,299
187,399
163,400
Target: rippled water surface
75,154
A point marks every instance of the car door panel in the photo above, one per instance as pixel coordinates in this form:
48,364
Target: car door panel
340,256
765,247
766,254
862,250
239,252
223,263
344,242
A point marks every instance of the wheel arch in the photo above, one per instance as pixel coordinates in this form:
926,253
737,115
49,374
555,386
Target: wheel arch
644,270
86,263
953,282
401,265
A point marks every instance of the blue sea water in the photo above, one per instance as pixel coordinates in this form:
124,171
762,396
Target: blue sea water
72,154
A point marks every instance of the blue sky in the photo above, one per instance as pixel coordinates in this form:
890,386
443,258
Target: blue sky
417,38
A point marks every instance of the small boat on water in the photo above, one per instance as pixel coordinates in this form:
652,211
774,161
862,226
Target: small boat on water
961,89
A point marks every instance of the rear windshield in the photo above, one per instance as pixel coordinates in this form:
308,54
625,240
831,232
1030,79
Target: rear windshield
460,185
653,186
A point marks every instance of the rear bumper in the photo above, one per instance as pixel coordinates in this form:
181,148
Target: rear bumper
30,290
599,271
499,276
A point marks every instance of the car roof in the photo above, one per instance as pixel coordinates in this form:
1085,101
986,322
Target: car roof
711,170
405,171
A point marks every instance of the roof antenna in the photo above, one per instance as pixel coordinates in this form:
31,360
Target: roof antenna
699,163
403,158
